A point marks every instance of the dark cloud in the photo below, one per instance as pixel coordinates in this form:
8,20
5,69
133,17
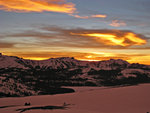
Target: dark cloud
6,45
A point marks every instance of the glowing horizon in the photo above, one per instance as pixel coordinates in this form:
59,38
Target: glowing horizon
91,57
84,59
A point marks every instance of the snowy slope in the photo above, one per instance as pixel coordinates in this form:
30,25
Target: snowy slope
10,62
132,99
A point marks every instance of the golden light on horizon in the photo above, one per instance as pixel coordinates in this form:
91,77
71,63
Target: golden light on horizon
91,56
36,58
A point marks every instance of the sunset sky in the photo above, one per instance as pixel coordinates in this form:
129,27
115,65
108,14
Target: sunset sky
84,29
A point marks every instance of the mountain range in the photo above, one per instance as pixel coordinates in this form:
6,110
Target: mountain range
22,77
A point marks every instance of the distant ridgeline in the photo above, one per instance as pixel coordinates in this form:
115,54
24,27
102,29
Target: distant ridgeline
20,77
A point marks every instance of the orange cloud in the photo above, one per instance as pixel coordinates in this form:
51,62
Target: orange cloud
127,39
60,6
99,16
88,17
117,23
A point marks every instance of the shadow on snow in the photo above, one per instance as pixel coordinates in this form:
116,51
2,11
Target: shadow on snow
41,107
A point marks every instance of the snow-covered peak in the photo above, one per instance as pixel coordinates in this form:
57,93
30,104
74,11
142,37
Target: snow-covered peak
111,64
116,61
64,58
10,62
66,62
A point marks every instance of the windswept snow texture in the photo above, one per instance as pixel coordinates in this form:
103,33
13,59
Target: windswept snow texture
131,99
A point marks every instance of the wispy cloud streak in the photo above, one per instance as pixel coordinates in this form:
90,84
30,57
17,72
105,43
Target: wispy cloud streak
89,17
60,6
117,23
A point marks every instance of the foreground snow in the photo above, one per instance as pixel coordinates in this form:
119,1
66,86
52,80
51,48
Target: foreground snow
131,99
